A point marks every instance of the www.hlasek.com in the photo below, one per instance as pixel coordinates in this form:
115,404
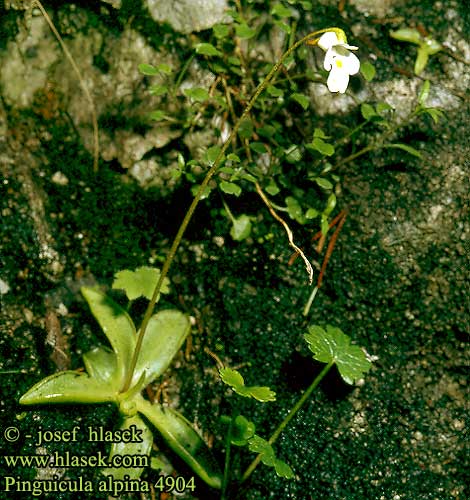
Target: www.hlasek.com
68,459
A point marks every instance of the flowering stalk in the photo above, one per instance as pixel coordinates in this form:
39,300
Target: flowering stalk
311,39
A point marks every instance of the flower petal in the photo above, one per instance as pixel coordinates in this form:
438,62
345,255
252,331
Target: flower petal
329,59
328,40
337,80
352,63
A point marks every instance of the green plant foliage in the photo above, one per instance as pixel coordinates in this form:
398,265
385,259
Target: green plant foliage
259,445
368,111
324,183
280,10
322,147
427,46
107,371
435,113
242,430
241,227
212,153
197,94
230,188
158,90
148,69
142,447
244,31
116,324
235,380
302,99
221,31
139,283
368,71
295,210
207,49
405,147
333,346
245,131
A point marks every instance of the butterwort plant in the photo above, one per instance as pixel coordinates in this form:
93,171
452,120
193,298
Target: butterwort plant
138,356
106,372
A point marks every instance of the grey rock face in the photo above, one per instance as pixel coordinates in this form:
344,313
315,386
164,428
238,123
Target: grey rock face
187,16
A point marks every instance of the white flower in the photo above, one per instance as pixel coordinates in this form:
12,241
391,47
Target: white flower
339,61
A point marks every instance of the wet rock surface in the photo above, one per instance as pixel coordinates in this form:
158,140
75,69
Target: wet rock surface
398,281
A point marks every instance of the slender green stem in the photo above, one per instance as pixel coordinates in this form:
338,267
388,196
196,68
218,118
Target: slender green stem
310,300
183,72
228,446
355,155
379,140
184,224
229,212
288,418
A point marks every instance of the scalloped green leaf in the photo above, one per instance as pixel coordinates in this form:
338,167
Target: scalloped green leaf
242,430
334,346
116,325
367,71
244,31
293,153
274,91
294,209
68,387
140,448
164,68
158,89
230,188
221,30
165,334
282,469
198,94
147,69
259,445
180,436
241,227
322,147
235,380
281,11
139,283
302,99
367,111
212,154
207,49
